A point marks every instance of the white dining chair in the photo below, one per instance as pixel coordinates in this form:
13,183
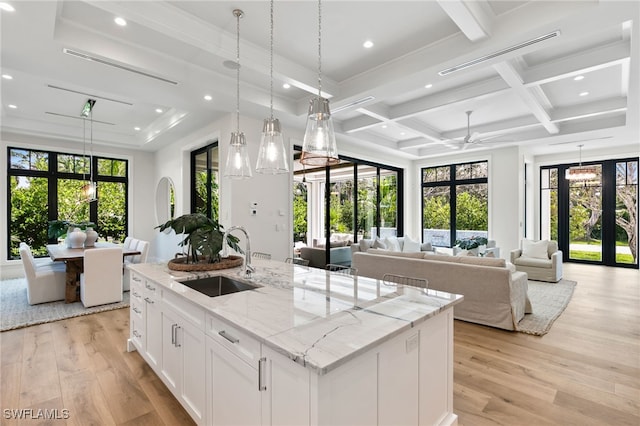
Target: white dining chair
101,281
45,283
143,248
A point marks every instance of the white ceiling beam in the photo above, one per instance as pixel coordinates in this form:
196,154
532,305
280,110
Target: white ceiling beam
469,16
419,127
360,123
496,128
513,79
590,60
480,90
591,109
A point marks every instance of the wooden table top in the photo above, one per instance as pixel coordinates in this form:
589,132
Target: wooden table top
62,252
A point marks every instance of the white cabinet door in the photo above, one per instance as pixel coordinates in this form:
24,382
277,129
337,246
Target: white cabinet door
232,388
153,320
171,353
191,341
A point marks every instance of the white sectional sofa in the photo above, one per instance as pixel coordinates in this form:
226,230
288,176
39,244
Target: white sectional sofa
494,293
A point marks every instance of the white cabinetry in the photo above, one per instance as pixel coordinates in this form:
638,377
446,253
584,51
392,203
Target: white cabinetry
183,353
145,318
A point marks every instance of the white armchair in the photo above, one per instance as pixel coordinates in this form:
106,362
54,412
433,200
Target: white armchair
541,260
45,283
101,281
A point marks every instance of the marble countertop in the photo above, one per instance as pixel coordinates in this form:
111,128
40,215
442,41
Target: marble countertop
317,319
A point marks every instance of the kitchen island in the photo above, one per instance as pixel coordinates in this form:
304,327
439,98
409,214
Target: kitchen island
304,347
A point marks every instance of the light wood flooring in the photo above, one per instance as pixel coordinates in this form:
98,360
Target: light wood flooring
585,371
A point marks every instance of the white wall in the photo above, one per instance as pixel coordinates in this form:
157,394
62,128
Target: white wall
141,187
270,228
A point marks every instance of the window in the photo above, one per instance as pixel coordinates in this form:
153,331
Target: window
205,173
346,202
593,220
45,185
454,202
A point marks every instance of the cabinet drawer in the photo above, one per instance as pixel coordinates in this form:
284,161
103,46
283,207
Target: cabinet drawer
233,339
137,331
137,308
136,280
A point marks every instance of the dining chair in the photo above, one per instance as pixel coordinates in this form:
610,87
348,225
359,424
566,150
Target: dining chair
341,269
261,255
393,279
101,281
45,283
297,261
143,248
127,242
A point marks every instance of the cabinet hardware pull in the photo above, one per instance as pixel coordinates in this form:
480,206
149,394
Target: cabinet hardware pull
229,337
136,279
137,311
177,344
149,287
173,334
261,382
136,294
136,334
146,299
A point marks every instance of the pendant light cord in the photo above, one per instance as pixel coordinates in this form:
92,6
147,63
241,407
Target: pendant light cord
238,14
271,63
84,148
91,145
319,48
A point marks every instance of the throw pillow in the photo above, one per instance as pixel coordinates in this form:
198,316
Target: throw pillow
365,244
392,244
379,244
410,246
535,249
426,247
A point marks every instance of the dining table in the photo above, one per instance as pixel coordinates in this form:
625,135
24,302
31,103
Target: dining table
74,261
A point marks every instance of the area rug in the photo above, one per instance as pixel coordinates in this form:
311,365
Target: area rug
15,311
548,301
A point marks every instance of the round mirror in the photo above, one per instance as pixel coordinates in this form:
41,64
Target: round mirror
165,200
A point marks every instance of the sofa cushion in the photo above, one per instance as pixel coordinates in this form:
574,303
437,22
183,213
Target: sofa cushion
532,261
365,244
378,244
411,255
535,249
472,260
333,244
426,247
410,246
439,257
392,244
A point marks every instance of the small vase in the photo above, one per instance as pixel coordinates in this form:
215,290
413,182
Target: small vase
77,238
92,237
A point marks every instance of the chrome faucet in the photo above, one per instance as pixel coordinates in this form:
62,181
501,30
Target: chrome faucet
248,269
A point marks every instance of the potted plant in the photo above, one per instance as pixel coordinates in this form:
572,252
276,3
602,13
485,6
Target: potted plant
203,239
59,228
471,242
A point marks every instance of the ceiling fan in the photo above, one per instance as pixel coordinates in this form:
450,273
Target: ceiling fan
472,138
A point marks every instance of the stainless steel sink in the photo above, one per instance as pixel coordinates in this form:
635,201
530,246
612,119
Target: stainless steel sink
218,285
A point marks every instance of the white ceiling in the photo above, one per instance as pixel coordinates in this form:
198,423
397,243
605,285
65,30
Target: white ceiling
527,96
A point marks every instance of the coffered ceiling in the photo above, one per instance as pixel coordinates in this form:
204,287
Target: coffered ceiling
545,74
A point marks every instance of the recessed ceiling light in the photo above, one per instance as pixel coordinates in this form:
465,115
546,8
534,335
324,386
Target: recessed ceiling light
428,86
402,133
384,126
137,129
159,110
578,77
286,85
6,6
7,77
207,97
367,44
120,21
584,93
12,106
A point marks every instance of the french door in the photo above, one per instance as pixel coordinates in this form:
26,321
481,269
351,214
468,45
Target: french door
594,220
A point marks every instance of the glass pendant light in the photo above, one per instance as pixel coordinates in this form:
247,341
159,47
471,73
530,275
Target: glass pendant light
319,145
237,165
272,157
88,190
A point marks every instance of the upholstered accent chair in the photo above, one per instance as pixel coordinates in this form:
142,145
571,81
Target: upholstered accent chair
101,281
45,283
541,260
